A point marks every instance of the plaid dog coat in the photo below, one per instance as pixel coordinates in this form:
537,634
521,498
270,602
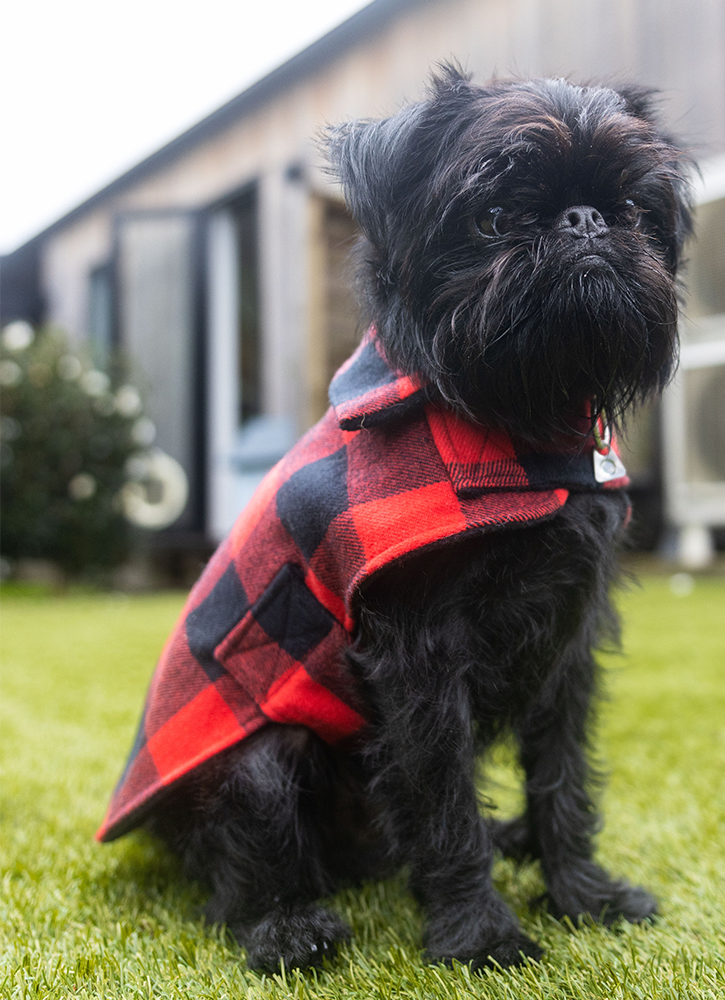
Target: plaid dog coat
385,473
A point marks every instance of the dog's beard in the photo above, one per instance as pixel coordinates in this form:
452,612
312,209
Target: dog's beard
543,333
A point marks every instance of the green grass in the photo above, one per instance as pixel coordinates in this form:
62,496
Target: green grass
83,920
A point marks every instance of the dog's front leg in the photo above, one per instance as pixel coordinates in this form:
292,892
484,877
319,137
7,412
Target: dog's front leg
424,764
561,818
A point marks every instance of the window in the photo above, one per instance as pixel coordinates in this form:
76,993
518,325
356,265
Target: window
157,289
695,404
343,322
334,321
100,314
706,273
244,213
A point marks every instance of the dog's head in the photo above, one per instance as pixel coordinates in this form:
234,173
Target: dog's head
522,241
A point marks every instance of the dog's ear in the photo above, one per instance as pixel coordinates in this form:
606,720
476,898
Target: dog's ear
449,79
369,158
639,101
381,163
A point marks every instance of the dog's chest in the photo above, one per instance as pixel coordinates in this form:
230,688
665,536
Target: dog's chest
504,612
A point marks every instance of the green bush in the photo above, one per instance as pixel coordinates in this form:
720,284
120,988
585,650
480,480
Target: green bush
67,432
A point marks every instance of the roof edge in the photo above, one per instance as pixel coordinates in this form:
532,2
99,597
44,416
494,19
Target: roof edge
364,22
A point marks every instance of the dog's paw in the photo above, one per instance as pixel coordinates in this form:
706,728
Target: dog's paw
634,904
592,893
503,953
297,937
507,953
483,934
628,902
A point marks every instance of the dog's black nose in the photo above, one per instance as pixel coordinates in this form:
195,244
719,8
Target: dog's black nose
582,221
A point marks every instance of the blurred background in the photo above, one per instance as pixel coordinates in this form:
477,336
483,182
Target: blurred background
175,292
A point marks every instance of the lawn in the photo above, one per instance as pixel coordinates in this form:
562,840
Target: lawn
82,920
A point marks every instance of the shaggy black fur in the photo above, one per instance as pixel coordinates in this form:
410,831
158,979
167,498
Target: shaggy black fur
521,249
522,240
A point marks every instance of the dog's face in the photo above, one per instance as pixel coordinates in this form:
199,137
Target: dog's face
521,246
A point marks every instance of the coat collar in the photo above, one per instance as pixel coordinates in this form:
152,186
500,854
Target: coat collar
367,392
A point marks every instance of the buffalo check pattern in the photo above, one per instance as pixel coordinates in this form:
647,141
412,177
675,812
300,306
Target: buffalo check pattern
386,472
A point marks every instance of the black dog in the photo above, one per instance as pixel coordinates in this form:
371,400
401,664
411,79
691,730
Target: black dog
520,255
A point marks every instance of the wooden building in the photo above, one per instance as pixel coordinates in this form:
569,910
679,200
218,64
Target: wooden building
219,263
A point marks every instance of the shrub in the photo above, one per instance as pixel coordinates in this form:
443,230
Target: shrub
67,433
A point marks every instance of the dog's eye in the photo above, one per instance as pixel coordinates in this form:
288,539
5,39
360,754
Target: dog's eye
490,223
633,214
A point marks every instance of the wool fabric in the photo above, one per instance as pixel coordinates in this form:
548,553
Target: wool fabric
384,474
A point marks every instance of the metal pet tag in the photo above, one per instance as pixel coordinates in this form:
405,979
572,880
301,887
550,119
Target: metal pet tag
607,463
608,467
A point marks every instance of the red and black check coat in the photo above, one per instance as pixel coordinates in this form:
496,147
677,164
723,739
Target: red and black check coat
383,474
